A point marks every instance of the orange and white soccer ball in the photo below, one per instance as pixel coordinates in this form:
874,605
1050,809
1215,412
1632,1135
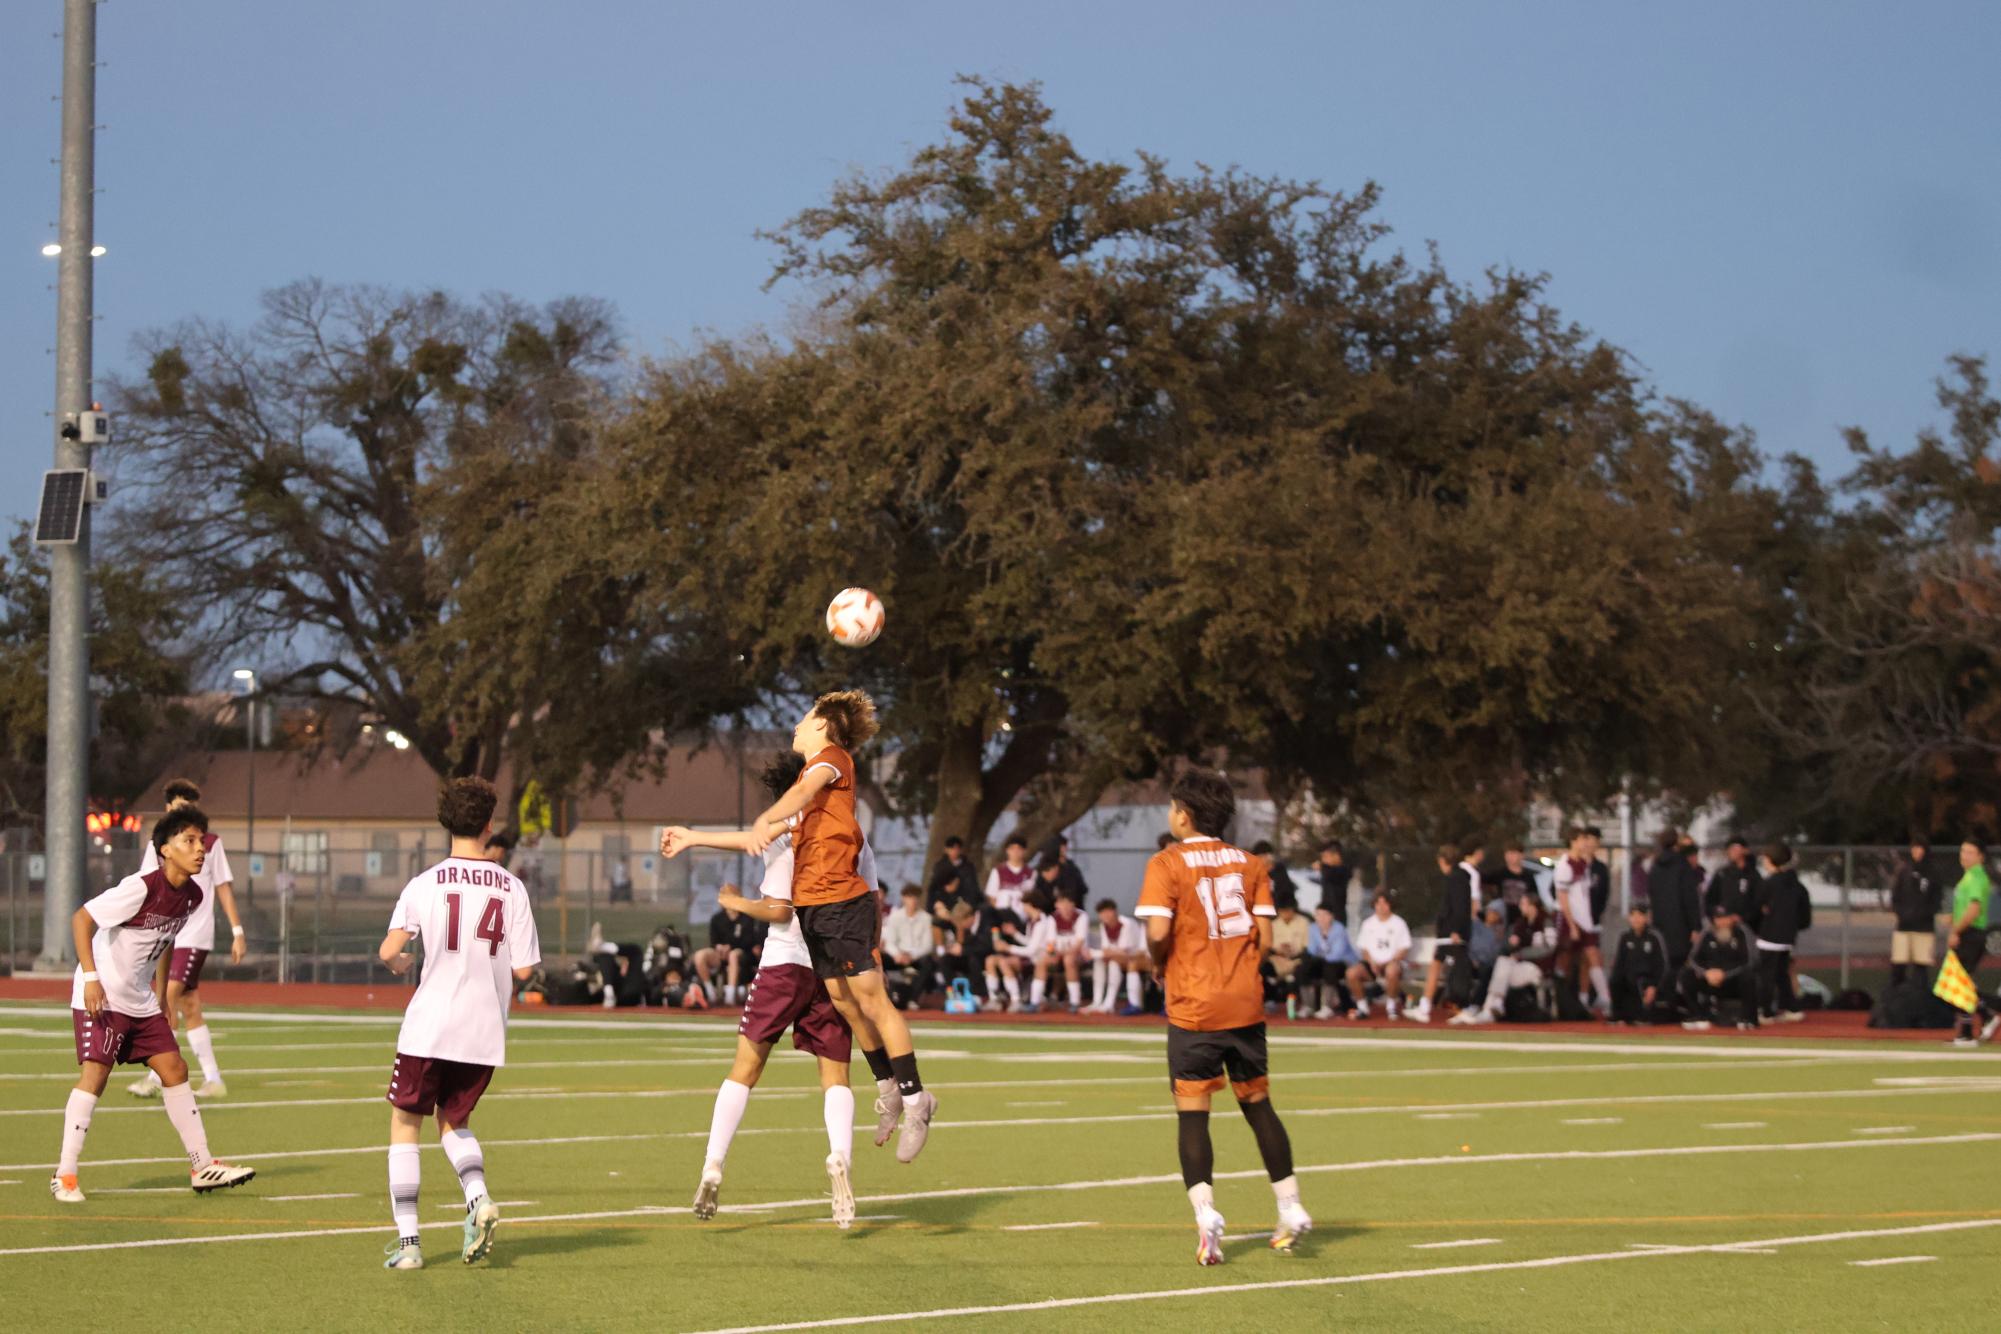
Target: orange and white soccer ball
855,617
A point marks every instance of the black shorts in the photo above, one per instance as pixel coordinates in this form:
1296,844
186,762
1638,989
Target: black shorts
841,937
1197,1062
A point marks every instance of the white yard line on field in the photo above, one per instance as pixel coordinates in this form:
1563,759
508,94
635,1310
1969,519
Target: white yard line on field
1885,1130
1761,1246
1894,1260
964,1192
1045,1227
293,1199
1455,1245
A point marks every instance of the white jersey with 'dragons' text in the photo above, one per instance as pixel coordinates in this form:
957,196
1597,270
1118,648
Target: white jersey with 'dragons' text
474,920
199,933
785,943
136,922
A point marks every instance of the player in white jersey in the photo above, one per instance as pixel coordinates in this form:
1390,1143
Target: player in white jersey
119,936
1058,938
788,993
1119,951
479,940
180,973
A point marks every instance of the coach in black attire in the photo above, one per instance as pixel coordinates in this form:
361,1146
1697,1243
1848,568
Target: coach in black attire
1334,874
1783,911
1674,895
1720,966
1734,887
1640,970
1915,898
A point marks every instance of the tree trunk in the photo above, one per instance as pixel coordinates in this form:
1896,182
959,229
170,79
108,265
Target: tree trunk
961,785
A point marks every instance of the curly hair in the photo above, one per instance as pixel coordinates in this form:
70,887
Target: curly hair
849,715
465,806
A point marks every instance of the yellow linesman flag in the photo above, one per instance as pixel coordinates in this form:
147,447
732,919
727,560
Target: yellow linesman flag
1954,987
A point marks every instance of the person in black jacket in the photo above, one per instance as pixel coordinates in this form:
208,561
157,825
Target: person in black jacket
1674,896
1733,889
735,942
1601,874
1334,873
1640,969
1783,911
1719,967
1915,897
1283,891
1455,920
1514,882
953,881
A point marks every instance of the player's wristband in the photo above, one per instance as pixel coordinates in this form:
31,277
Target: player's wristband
90,977
235,930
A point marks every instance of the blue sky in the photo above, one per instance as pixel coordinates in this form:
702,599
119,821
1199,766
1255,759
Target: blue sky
1788,212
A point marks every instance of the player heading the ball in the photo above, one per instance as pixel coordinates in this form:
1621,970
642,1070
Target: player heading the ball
479,940
120,935
837,909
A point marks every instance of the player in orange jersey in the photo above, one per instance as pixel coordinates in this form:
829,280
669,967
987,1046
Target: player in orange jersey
1208,912
837,909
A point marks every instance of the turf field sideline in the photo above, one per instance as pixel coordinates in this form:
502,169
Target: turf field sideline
1555,1182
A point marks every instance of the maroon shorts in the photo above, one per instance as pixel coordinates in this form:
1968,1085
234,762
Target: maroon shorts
1569,937
111,1038
788,995
421,1085
185,968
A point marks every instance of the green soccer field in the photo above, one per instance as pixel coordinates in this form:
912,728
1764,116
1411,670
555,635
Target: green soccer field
1481,1182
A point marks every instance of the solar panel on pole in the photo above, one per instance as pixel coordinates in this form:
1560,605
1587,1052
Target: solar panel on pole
60,521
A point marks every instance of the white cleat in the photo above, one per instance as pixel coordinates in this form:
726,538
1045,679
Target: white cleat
917,1116
1990,1028
212,1088
219,1175
1209,1238
403,1257
888,1111
844,1193
707,1193
65,1189
1293,1223
147,1087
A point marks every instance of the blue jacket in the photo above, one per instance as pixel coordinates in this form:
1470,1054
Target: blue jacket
1331,945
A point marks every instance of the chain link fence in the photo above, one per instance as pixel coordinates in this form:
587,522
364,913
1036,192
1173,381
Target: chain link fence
315,908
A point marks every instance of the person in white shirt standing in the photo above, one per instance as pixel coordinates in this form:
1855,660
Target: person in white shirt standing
479,939
1383,941
1578,955
1010,882
120,935
180,973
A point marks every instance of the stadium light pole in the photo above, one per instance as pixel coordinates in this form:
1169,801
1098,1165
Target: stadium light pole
69,564
249,679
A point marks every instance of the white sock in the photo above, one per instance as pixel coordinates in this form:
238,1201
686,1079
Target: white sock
1599,987
839,1108
1012,985
1286,1191
76,1124
1135,989
186,1116
1074,991
405,1170
204,1046
467,1161
1203,1197
731,1099
1104,981
1037,989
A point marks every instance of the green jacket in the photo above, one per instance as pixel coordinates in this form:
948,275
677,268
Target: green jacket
1973,888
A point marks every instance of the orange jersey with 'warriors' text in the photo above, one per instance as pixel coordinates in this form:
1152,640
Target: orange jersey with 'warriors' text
1215,893
827,846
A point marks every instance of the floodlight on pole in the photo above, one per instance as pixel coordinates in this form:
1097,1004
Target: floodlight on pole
52,250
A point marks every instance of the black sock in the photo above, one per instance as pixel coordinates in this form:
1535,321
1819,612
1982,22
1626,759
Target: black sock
1273,1144
878,1062
1198,1155
1897,971
904,1067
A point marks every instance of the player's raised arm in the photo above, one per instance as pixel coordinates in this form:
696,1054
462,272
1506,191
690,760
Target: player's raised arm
772,823
677,839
